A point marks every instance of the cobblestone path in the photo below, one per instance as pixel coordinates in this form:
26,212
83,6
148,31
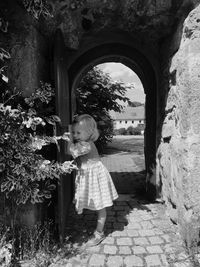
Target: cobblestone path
138,233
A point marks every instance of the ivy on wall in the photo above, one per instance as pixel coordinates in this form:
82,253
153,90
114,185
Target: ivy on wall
37,8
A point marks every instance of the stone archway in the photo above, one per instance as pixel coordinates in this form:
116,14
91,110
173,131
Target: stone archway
81,61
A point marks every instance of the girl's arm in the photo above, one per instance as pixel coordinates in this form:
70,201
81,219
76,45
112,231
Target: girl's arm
68,137
79,149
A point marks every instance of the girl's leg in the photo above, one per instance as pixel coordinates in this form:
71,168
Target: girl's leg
98,234
101,220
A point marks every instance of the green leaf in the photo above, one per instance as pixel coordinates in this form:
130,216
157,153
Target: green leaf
55,118
2,167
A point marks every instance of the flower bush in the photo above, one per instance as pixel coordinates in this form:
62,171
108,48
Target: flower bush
25,174
6,248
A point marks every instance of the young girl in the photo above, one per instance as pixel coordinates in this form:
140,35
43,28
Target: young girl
94,188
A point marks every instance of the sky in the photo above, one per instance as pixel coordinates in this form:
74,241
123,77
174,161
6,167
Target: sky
119,72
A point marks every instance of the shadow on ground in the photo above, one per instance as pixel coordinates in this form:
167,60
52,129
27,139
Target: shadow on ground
130,186
81,227
129,182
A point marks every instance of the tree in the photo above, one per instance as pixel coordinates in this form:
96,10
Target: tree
97,94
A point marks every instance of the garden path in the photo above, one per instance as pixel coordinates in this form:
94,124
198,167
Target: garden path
138,233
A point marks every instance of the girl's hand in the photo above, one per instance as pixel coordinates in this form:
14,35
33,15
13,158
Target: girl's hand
66,136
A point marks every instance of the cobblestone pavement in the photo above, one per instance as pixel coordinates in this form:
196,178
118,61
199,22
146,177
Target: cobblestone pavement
138,233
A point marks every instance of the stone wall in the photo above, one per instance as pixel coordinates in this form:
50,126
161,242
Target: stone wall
151,23
29,64
28,46
178,154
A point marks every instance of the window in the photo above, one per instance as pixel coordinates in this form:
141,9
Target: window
132,121
125,121
140,121
120,121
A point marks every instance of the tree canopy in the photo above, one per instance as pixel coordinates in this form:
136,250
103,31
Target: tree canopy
97,94
97,91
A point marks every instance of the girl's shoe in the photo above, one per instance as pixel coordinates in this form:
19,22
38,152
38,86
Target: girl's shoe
96,239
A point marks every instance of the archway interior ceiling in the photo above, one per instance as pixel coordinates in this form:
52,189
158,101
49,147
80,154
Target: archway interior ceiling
151,20
115,52
111,58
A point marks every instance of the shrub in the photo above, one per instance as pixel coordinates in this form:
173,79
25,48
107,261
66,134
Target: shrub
130,130
136,131
6,248
122,131
26,174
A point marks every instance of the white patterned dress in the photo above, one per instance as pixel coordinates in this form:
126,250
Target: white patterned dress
94,188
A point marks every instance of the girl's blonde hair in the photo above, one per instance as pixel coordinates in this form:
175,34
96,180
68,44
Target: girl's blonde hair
89,124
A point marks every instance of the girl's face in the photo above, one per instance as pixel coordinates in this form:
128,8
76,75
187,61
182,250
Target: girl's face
79,132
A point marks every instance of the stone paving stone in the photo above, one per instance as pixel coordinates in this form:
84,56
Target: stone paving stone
154,249
141,241
124,241
164,260
147,217
169,248
133,225
134,217
117,233
153,260
121,219
146,225
167,238
89,217
121,213
162,224
133,261
108,226
158,231
118,226
138,250
156,240
110,213
108,249
124,250
146,232
97,260
122,208
132,233
115,261
94,249
108,240
111,219
121,203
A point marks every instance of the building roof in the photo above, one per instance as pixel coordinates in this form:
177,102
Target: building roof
129,113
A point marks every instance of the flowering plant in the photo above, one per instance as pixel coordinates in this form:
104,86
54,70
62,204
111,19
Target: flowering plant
25,173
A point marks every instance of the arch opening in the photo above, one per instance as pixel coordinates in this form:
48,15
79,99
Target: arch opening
80,64
121,123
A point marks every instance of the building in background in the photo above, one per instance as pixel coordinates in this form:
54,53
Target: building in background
130,116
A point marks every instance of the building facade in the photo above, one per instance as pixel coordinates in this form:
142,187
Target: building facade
130,116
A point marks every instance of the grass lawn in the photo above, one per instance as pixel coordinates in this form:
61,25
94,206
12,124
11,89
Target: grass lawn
128,143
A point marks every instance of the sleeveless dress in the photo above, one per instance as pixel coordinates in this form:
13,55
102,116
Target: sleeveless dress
94,188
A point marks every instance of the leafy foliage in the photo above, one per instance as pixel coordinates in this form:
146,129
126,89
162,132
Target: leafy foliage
96,95
26,174
4,55
6,248
37,8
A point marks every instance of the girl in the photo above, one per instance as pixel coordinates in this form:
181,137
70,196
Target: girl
94,188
